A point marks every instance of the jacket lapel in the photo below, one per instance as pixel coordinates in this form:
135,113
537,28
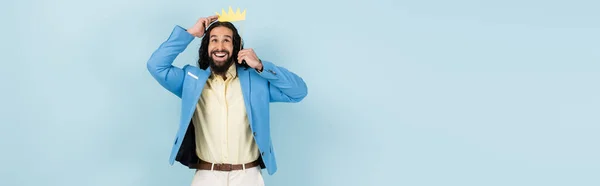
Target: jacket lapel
198,87
245,82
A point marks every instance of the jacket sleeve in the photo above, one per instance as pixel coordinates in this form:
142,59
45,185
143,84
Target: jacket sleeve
284,85
160,63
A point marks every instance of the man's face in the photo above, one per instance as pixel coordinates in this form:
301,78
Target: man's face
220,47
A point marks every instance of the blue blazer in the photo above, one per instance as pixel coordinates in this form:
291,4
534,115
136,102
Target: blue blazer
273,84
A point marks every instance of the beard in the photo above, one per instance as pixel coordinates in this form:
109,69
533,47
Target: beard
220,67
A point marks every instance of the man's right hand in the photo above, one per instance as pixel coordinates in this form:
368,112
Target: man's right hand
201,25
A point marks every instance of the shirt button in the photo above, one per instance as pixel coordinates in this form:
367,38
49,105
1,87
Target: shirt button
254,134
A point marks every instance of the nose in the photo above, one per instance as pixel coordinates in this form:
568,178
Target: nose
220,46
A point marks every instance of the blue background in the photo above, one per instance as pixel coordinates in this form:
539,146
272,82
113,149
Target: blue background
428,92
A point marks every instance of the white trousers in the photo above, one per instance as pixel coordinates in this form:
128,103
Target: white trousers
249,177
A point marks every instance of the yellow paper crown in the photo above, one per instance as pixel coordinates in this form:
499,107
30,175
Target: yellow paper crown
230,16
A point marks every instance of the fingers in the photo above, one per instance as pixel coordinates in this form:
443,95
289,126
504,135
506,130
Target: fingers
241,58
246,51
208,20
246,54
201,25
205,23
213,18
242,52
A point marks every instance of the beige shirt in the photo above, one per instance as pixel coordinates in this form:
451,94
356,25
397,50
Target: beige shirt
223,133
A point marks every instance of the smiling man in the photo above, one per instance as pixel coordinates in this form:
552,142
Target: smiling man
224,129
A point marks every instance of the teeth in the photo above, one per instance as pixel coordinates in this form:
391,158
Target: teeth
220,54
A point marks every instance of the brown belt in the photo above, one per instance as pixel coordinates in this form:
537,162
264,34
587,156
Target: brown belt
202,165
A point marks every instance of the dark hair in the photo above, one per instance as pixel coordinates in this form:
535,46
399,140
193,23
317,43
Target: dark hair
204,60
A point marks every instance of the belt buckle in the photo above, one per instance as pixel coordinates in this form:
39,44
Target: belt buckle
226,167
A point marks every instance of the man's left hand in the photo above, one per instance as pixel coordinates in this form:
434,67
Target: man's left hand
251,59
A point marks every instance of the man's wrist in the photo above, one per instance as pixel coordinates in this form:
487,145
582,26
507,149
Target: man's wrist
260,66
191,31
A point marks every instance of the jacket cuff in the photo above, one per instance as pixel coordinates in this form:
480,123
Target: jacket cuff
180,33
269,70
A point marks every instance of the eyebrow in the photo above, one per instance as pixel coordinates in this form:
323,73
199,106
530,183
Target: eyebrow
228,36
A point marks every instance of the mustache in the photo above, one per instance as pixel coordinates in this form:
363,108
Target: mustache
215,51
